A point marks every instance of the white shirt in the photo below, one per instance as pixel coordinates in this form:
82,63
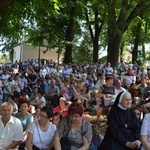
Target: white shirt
15,70
46,137
109,70
47,70
128,79
13,131
37,101
145,129
5,76
42,73
120,90
9,86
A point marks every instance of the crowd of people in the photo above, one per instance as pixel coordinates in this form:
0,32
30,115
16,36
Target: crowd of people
47,104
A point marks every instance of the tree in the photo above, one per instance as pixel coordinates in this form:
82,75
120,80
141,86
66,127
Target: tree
95,26
120,15
136,40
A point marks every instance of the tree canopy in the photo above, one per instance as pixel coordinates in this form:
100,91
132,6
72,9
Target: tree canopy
78,26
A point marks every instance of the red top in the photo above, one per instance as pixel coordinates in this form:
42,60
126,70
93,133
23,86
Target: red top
64,112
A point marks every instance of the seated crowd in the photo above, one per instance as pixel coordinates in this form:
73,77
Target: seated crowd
40,107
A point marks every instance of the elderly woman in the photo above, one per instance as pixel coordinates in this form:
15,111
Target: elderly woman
123,132
43,133
77,129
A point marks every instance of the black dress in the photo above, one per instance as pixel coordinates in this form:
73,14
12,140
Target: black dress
123,127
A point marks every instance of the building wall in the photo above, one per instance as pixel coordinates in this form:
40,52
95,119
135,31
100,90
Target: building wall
17,54
30,52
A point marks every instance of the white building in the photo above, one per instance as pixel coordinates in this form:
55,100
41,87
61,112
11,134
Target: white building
24,52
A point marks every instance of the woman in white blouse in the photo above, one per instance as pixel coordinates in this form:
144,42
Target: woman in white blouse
43,133
145,133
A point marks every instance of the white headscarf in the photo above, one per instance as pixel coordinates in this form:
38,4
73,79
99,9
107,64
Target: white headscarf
120,100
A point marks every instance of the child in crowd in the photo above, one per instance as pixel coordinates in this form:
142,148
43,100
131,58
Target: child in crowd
57,118
36,115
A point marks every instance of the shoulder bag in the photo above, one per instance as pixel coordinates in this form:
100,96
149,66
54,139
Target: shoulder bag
22,146
64,141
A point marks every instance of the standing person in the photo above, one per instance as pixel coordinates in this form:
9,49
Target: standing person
107,90
11,131
24,116
77,129
42,133
123,132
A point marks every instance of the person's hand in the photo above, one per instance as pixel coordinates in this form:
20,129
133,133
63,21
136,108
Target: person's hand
138,143
131,145
100,94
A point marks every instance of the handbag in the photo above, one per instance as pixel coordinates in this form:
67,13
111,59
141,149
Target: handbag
22,146
109,100
35,148
64,141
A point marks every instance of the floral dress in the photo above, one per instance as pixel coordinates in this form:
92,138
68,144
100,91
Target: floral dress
75,137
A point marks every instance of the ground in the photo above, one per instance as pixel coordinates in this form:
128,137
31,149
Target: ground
103,123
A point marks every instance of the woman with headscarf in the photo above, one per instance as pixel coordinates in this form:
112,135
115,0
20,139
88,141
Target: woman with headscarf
123,132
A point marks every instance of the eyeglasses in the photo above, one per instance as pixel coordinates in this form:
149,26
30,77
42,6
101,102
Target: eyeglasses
43,116
127,100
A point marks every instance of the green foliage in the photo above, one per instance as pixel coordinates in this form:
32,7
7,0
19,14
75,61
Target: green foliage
47,23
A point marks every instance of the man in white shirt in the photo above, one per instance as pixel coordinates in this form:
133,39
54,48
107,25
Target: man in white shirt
11,131
118,88
42,72
108,69
129,77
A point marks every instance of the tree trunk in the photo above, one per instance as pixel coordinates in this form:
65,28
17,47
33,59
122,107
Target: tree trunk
68,54
113,50
70,35
4,3
95,34
143,47
136,43
95,50
117,27
143,52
